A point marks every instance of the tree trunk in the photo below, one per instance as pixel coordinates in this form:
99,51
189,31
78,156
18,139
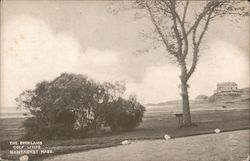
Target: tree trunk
185,103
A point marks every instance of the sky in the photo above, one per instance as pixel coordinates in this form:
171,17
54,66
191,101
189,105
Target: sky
41,39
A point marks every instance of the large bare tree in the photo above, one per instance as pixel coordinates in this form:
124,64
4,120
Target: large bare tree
182,34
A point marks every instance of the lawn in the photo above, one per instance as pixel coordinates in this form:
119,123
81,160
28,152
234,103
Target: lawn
11,128
227,146
154,126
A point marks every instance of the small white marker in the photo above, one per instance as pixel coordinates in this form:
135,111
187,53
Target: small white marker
125,142
167,137
24,158
217,131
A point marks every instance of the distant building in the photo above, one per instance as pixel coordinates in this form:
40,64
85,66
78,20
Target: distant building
227,89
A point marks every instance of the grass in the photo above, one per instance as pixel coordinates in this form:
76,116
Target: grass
11,128
154,126
214,147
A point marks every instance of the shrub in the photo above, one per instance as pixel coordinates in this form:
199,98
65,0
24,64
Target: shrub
62,128
57,104
34,128
73,105
124,115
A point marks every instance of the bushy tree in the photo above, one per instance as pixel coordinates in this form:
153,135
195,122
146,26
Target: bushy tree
124,115
59,104
74,106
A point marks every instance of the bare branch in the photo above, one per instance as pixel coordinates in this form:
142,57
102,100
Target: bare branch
205,28
184,37
185,11
183,30
177,39
176,31
205,11
165,41
197,44
195,56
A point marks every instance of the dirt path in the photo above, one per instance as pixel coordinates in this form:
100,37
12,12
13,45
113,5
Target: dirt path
229,146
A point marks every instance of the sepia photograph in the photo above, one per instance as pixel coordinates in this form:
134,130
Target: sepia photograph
125,80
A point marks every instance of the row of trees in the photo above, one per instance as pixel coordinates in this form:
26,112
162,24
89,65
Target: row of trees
75,106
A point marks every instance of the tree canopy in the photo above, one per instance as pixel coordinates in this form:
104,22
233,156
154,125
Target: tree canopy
75,102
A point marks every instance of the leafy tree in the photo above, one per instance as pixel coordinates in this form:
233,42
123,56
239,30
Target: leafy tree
58,104
181,30
123,115
117,112
72,105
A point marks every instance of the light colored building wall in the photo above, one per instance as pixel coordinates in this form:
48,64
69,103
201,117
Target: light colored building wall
227,88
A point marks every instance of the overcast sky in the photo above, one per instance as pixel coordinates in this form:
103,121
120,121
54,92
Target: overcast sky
41,39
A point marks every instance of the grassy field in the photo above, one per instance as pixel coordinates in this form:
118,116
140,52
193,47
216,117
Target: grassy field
11,128
154,126
227,146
